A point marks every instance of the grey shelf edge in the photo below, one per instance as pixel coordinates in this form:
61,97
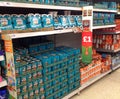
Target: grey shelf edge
90,82
117,32
111,51
116,67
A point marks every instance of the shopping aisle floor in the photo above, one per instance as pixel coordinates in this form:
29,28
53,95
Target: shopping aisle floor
106,88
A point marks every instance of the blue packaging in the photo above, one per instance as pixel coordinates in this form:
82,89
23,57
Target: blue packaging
56,88
42,89
25,96
56,81
39,73
63,78
63,71
95,22
106,21
34,21
42,1
19,22
41,48
71,81
29,77
70,75
77,77
20,97
64,84
18,81
17,71
47,70
112,6
29,67
31,94
49,92
56,23
34,65
23,79
40,81
71,87
95,15
30,86
36,92
76,71
78,20
71,20
46,60
22,69
5,22
48,85
39,64
34,75
47,78
56,74
35,83
64,91
47,20
54,58
64,21
24,88
50,45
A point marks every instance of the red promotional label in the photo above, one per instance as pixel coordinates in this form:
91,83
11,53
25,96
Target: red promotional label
87,39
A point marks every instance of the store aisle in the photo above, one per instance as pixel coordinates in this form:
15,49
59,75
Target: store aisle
106,88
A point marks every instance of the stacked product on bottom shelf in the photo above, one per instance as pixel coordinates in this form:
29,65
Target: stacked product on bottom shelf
47,74
100,64
73,67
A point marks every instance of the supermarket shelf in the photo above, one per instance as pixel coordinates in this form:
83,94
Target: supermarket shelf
104,50
103,32
104,10
87,84
3,83
116,67
38,6
41,33
1,58
104,26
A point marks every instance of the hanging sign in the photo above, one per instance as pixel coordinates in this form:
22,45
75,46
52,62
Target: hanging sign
87,35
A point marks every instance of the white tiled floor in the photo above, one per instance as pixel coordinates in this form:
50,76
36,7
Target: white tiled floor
106,88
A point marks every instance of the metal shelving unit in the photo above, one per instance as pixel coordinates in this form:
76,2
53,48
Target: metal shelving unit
90,82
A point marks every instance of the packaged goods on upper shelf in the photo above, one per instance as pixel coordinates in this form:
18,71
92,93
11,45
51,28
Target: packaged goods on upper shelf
5,22
19,21
34,21
103,19
47,20
106,5
38,22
